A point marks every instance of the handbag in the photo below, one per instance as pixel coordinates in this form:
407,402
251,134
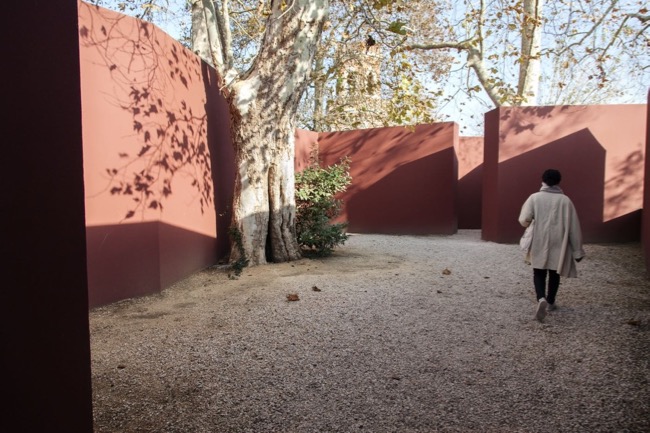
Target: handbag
527,239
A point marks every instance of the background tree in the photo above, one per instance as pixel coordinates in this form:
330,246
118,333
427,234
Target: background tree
527,52
360,81
459,59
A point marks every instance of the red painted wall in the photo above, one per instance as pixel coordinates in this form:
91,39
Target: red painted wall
305,143
156,142
45,351
403,180
646,193
600,151
470,182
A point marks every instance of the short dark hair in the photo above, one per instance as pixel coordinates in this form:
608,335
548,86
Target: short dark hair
551,177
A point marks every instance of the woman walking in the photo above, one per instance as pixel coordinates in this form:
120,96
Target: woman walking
557,239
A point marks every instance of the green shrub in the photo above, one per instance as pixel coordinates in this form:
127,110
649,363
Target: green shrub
316,205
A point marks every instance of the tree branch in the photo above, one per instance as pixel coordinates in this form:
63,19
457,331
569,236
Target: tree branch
460,46
591,30
475,62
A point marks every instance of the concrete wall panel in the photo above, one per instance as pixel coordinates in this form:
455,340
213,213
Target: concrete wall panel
599,150
45,350
156,143
305,143
470,182
403,180
646,193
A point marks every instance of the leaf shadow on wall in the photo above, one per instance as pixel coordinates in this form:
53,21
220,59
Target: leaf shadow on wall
170,139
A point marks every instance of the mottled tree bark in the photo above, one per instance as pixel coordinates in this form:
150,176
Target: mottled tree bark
263,105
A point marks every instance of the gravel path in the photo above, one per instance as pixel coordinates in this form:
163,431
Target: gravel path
391,334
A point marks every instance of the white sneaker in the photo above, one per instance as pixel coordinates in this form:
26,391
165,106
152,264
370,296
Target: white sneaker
541,309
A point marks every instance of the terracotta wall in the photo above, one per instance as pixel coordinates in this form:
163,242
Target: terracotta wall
156,142
305,143
600,151
45,349
646,193
469,152
404,181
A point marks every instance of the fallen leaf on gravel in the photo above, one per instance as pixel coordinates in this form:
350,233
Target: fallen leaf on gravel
315,289
633,322
446,272
292,297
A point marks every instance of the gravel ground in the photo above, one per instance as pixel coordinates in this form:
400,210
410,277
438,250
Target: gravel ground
391,334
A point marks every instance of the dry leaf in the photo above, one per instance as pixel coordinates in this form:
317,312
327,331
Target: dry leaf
446,272
292,297
315,289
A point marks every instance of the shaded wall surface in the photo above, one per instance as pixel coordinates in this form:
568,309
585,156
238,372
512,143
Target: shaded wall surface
156,143
403,180
646,194
600,151
469,152
45,352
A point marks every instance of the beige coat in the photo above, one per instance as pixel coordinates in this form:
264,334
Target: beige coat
557,238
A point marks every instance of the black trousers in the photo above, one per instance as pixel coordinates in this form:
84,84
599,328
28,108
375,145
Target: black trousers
539,279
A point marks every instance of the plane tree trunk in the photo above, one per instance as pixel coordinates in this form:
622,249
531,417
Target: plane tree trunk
263,105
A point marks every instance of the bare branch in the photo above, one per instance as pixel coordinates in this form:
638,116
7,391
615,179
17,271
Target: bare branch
460,46
225,34
591,30
642,18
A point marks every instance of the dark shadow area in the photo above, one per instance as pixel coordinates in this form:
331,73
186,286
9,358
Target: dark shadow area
396,175
416,198
123,262
522,119
470,199
222,153
45,345
183,252
158,255
490,187
626,228
645,235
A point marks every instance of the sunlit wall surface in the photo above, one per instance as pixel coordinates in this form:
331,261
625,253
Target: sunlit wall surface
156,142
600,151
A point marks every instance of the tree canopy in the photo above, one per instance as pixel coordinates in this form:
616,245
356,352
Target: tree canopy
446,60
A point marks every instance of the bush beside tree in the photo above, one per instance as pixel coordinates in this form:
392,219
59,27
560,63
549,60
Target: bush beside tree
317,205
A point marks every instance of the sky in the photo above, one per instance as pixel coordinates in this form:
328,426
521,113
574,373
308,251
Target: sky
467,111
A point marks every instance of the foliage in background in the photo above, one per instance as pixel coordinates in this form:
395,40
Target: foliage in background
532,52
317,205
359,79
591,52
